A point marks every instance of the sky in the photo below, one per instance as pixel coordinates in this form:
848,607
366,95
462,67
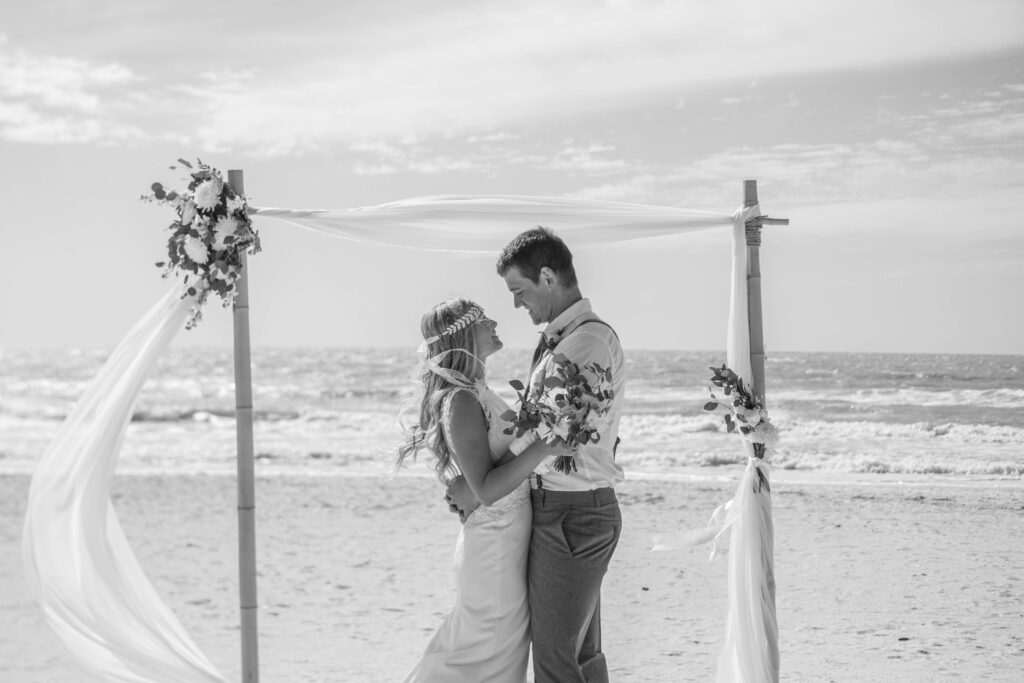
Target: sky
891,134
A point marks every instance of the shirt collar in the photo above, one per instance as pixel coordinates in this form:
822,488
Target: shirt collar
553,332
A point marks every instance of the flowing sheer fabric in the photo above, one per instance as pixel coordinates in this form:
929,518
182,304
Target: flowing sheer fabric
472,223
80,568
89,584
749,651
743,524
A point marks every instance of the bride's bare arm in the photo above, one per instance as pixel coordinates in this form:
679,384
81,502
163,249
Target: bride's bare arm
468,435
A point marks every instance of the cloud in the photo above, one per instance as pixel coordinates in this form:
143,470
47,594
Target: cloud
993,117
489,154
21,122
460,71
58,82
968,143
380,157
810,174
449,71
52,100
584,159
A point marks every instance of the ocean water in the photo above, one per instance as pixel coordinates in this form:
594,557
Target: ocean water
335,410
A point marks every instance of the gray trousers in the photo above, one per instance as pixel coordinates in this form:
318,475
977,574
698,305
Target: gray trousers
574,537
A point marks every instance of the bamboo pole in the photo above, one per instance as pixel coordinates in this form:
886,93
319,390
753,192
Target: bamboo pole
754,317
756,326
246,470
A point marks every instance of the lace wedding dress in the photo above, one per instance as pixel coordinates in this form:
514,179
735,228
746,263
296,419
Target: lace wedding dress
486,637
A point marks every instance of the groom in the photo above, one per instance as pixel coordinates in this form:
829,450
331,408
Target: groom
576,518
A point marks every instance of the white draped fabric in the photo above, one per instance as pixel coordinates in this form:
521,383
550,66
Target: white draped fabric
81,569
93,593
749,652
485,223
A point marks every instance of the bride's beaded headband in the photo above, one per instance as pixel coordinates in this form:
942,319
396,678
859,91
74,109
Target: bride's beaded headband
433,363
469,317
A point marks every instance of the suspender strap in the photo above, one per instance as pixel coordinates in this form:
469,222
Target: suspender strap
590,320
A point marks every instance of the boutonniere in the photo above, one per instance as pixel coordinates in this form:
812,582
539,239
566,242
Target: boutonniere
549,343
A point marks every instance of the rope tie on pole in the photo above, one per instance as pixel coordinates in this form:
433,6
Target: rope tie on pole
753,226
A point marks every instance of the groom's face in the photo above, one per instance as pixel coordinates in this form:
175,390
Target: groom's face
536,297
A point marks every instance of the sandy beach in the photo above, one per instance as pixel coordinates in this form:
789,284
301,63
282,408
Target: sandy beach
878,579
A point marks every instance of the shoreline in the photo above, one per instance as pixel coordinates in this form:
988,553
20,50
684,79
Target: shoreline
837,478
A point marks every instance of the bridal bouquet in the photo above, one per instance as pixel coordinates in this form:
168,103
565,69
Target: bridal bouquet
745,413
211,229
567,409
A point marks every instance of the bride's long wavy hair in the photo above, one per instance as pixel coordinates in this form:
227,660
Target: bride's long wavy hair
427,431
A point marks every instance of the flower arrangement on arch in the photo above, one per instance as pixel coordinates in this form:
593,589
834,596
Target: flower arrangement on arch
212,228
567,408
744,413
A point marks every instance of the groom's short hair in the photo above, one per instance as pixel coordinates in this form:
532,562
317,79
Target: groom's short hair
534,249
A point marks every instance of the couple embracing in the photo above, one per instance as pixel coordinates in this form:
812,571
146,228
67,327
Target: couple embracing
536,540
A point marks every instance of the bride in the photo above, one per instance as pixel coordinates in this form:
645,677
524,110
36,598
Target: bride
486,636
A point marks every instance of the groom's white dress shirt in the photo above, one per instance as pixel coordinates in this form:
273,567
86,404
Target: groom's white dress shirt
583,345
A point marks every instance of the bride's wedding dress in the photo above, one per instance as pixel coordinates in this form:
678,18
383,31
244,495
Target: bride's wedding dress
486,637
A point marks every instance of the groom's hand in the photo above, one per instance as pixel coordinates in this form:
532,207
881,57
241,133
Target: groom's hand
460,498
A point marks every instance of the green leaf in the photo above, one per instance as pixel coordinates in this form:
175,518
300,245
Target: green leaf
516,384
710,405
184,163
553,383
158,190
509,416
160,264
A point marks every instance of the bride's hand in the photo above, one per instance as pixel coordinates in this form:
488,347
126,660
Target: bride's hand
460,498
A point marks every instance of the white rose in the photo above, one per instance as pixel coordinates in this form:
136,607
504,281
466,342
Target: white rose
196,250
543,431
235,203
561,429
224,228
765,433
208,193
